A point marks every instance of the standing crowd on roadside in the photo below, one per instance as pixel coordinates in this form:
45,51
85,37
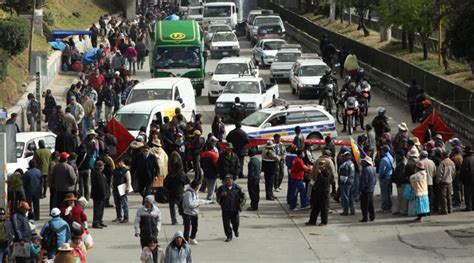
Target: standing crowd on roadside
430,178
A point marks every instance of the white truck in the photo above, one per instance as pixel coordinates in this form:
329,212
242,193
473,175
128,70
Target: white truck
253,92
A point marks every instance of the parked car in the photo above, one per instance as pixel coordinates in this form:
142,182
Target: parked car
284,60
26,145
227,69
305,77
253,92
139,114
172,89
213,28
315,122
265,50
224,44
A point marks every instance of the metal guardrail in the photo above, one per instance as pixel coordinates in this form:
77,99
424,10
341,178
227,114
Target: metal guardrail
460,123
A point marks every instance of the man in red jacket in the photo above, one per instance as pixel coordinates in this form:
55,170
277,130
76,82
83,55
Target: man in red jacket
298,170
97,80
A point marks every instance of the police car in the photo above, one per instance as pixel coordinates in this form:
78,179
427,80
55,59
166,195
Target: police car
315,122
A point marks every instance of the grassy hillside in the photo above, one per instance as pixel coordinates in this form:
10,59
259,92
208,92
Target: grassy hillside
67,14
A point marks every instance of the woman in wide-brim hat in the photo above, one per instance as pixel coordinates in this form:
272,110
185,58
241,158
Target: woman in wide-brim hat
64,254
420,191
72,212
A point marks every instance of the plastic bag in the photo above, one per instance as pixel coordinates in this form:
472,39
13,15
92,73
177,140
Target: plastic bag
88,241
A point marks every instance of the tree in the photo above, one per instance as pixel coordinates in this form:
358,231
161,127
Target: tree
14,34
19,6
364,9
460,31
426,19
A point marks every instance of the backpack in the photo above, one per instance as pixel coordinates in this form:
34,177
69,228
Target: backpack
50,237
34,107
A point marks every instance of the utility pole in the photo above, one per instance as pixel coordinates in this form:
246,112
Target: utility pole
31,35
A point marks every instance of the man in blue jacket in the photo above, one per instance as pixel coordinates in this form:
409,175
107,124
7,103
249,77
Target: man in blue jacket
60,227
346,181
368,179
385,170
32,182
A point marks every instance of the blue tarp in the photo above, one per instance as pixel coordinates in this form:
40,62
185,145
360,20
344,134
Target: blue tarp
55,34
57,45
90,56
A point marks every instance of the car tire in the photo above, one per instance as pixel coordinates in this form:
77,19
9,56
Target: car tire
212,100
198,92
300,94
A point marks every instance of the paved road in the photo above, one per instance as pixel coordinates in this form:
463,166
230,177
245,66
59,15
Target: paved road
273,234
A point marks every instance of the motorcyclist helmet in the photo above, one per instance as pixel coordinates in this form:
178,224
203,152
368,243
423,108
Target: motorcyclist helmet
381,110
360,71
351,102
327,71
352,86
347,79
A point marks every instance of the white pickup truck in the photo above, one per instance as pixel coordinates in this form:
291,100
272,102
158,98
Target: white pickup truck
253,92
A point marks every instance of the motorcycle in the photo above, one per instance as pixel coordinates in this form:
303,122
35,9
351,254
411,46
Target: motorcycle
364,90
340,106
351,108
329,98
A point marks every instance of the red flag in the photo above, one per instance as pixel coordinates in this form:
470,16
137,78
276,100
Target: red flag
439,126
124,138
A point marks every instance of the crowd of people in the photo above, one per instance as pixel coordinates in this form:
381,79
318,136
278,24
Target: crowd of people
430,178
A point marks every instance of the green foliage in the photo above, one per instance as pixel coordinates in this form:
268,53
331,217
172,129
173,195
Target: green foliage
3,64
14,35
460,31
48,18
20,6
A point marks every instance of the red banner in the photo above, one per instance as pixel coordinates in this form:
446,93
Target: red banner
439,126
123,136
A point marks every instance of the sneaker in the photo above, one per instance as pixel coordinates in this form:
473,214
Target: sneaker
306,207
280,188
193,242
294,209
276,190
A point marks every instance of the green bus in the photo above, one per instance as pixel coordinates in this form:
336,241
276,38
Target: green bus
177,49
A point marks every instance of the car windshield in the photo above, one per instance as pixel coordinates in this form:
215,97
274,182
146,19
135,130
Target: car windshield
269,29
20,146
216,11
273,45
223,28
232,68
255,119
266,20
149,94
224,37
242,87
251,17
132,121
287,57
195,11
177,57
313,70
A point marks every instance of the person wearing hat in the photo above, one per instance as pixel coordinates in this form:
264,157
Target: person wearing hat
64,254
55,226
322,178
21,227
231,198
385,170
88,153
228,163
401,134
438,140
444,177
239,139
198,145
72,212
457,158
64,179
420,189
148,222
467,178
401,177
346,174
270,167
368,179
430,169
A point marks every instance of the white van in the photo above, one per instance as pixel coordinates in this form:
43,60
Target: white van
219,13
139,114
173,89
26,145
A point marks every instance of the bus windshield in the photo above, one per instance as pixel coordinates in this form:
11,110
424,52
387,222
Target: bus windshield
177,57
217,11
